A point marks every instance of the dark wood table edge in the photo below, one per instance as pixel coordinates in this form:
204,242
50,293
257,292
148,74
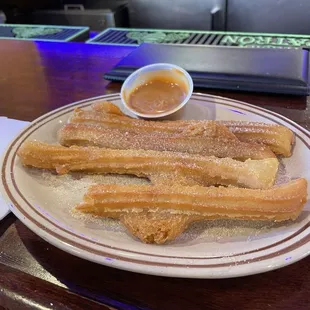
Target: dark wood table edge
19,290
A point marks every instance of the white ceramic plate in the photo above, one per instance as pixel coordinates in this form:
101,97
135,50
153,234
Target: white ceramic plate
9,129
215,249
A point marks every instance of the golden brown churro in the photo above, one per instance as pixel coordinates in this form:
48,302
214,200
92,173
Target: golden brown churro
159,167
279,138
95,135
107,107
209,129
279,203
157,227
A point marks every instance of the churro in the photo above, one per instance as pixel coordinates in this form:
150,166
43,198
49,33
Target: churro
193,203
159,227
159,167
96,135
279,138
107,107
113,119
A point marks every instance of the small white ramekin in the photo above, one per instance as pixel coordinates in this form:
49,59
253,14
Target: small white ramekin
140,77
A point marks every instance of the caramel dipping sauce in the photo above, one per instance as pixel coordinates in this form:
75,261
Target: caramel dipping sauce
157,92
156,96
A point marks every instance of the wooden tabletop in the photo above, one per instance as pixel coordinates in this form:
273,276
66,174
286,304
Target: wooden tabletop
38,77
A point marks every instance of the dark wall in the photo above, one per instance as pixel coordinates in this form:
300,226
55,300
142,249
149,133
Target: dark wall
177,14
278,16
20,11
28,4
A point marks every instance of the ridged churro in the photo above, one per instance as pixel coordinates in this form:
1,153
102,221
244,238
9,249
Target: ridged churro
95,135
279,138
210,129
193,203
279,203
159,167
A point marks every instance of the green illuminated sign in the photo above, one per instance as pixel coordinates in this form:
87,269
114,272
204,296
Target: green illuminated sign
30,32
156,36
194,37
264,41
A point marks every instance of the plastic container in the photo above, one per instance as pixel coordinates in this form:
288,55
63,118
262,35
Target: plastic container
145,74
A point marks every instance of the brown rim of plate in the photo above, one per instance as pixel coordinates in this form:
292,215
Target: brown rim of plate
101,253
